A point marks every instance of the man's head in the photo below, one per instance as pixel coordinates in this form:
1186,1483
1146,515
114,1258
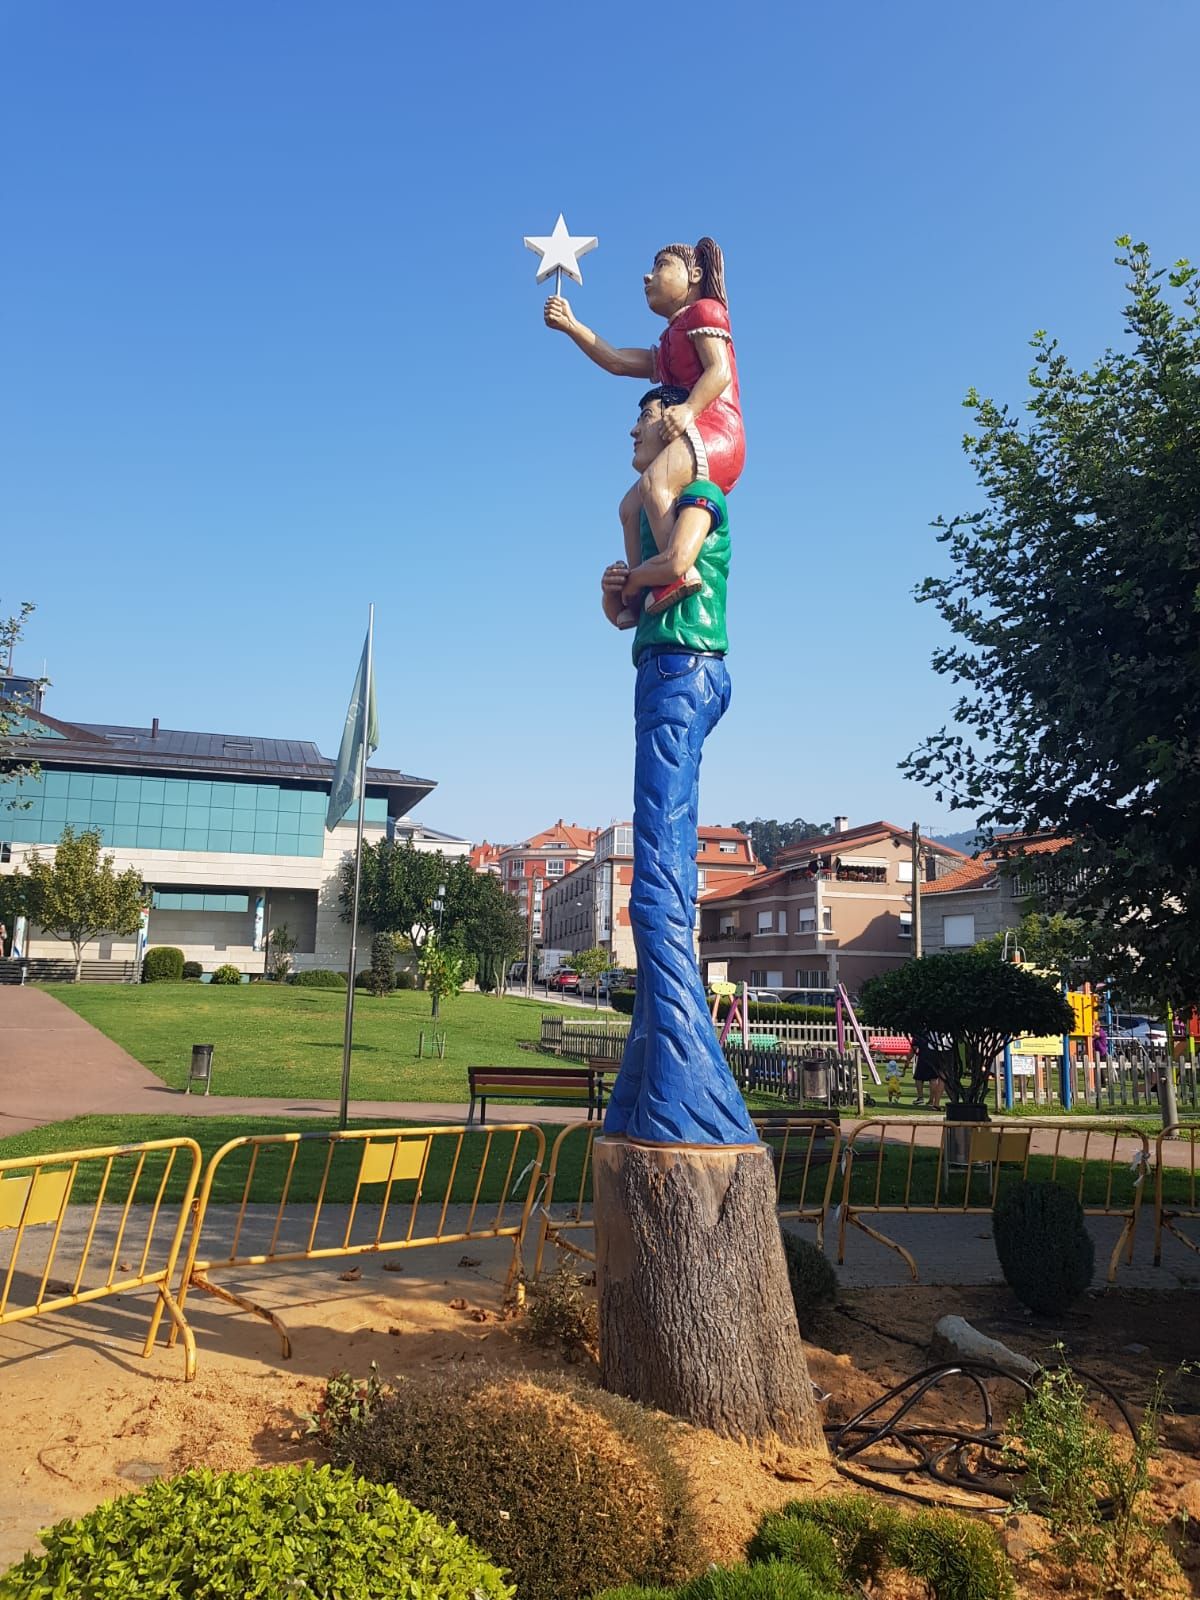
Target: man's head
646,432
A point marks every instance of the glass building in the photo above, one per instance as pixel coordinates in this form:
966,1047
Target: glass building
227,831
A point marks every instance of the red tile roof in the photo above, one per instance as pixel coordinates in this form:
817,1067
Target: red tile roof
854,839
975,874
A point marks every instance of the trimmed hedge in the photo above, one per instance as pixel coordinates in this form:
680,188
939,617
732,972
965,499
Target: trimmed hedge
276,1531
163,964
760,1011
572,1489
226,974
318,978
191,971
1045,1251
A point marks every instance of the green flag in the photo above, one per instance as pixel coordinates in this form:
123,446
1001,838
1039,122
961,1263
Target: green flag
360,720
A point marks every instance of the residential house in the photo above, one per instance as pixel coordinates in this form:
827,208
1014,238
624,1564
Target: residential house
988,895
834,909
590,905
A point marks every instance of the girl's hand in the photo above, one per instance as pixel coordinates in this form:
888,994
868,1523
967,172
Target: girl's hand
676,421
558,314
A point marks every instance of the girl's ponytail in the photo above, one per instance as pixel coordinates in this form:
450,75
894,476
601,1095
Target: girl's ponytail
712,265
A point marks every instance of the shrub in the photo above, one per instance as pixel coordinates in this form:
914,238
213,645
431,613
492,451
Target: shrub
776,1011
773,1580
1045,1251
319,978
958,1558
859,1527
226,974
405,979
573,1491
192,970
814,1282
382,974
281,1530
562,1314
163,964
622,1000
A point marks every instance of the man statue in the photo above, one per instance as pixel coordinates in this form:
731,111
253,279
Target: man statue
674,1085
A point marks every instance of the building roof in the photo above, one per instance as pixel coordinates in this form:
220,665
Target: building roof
854,839
984,869
561,834
176,751
724,833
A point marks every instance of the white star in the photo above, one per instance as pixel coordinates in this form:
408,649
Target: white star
560,252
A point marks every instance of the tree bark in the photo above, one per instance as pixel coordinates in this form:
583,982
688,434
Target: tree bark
696,1312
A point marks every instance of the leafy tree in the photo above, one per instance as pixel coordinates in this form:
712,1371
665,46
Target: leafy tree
14,735
441,969
281,947
589,964
496,933
399,889
78,895
769,837
966,1005
1074,596
1071,946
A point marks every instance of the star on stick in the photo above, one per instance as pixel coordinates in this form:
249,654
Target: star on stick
560,253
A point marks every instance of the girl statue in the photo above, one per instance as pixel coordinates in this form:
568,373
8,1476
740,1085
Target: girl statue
704,434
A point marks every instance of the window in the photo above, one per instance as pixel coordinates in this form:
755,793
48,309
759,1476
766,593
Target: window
906,924
826,919
728,925
728,847
555,869
702,879
811,978
766,922
781,922
904,870
806,920
5,852
958,931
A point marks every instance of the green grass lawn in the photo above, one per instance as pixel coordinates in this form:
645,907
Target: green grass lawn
280,1040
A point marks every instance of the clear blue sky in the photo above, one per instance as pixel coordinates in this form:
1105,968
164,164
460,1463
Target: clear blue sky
271,348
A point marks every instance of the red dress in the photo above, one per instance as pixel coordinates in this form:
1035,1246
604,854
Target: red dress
717,435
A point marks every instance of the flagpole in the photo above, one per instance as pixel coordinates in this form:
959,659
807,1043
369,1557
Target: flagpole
344,1108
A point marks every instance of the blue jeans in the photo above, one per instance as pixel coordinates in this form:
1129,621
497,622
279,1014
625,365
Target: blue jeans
674,1086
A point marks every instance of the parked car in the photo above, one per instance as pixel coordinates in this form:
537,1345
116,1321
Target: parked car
516,973
614,978
811,997
563,981
763,997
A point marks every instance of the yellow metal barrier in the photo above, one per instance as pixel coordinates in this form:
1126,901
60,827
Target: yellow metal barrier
1165,1218
106,1247
923,1168
804,1152
412,1178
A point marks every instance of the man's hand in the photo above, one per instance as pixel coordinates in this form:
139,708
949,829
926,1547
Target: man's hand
558,314
612,585
676,421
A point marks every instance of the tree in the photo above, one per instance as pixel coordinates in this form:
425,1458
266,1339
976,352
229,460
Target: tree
1073,947
1074,596
589,964
399,892
967,1006
281,946
78,895
381,974
768,837
14,731
496,933
441,969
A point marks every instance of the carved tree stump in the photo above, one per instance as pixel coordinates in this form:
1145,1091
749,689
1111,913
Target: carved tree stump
696,1313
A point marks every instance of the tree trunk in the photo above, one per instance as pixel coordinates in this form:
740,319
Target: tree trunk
78,963
696,1313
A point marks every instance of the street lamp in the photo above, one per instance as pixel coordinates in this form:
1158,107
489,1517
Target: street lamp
438,905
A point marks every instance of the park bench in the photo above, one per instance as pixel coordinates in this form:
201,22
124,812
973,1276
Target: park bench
560,1084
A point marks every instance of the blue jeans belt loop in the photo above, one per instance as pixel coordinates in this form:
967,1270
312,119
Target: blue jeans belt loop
653,650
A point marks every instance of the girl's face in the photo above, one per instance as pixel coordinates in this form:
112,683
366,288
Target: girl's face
668,284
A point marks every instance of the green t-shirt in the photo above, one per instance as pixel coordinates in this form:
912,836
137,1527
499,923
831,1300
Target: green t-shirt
697,623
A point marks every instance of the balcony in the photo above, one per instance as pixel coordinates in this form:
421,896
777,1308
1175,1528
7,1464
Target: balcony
731,937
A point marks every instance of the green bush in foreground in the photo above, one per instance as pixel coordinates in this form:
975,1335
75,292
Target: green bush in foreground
1045,1251
226,974
571,1489
319,978
773,1580
163,964
278,1531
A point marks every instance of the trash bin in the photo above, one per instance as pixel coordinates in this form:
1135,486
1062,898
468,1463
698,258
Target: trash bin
200,1070
814,1081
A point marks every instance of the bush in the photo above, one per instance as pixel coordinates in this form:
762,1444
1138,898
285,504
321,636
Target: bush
563,1315
406,979
622,1000
163,964
226,974
281,1530
319,978
957,1558
192,970
1045,1251
773,1580
574,1491
382,974
814,1282
776,1011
